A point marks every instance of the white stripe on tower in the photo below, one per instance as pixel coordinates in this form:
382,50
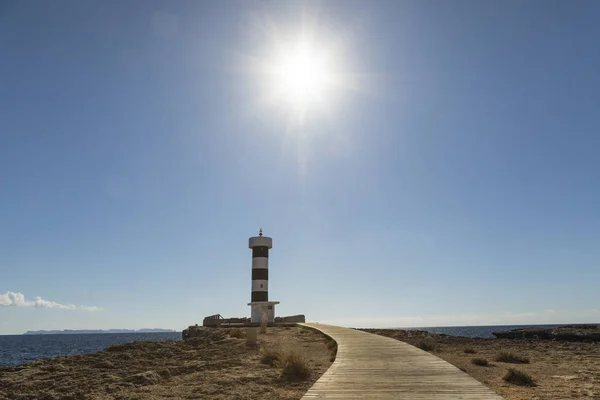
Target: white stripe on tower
260,262
260,285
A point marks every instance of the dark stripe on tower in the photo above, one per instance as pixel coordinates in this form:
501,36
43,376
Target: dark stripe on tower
260,273
260,296
260,251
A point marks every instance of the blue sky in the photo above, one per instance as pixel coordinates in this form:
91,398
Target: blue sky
453,180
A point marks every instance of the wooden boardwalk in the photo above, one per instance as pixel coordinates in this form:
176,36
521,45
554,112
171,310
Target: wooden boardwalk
369,366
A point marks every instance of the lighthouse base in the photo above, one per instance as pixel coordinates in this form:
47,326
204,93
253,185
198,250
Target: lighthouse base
257,309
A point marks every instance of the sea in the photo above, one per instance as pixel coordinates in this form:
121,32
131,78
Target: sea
19,349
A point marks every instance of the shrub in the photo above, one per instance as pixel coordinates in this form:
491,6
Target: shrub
426,345
582,326
517,377
295,368
507,357
236,333
270,357
333,348
468,350
480,361
331,344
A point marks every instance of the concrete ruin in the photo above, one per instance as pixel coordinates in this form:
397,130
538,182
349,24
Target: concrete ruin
217,321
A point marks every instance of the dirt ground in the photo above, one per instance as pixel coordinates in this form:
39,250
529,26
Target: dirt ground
561,370
196,369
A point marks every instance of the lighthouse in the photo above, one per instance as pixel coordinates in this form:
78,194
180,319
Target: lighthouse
259,299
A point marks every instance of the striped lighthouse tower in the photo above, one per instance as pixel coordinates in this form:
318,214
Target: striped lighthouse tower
259,301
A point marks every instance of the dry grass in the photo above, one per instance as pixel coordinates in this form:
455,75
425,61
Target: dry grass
236,333
517,377
295,368
482,362
270,356
507,357
332,346
469,350
426,345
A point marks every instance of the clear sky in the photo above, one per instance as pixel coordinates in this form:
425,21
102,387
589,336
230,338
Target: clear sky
448,173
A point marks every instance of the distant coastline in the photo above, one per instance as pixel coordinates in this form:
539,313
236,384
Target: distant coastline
83,331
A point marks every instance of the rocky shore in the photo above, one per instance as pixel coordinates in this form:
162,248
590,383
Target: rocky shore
217,365
569,333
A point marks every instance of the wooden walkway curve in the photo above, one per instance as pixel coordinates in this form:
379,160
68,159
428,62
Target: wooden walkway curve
369,366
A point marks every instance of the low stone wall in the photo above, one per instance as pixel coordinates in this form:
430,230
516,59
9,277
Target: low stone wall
291,318
216,322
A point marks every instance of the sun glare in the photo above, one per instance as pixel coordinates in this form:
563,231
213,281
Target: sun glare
300,78
302,75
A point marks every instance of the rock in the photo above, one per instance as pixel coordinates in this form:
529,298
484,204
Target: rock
192,332
104,364
54,368
165,373
76,396
570,333
145,378
196,331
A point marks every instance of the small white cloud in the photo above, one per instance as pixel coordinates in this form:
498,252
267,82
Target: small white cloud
90,308
16,299
38,302
12,299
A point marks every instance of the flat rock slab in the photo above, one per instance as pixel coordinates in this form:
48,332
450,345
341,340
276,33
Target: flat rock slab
369,366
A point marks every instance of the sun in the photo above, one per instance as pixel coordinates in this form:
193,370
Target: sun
302,75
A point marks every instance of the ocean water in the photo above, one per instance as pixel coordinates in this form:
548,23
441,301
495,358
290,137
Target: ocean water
19,349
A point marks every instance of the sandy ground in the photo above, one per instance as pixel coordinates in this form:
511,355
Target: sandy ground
561,370
199,369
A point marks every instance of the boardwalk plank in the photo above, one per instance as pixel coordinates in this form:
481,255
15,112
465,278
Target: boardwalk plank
369,366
